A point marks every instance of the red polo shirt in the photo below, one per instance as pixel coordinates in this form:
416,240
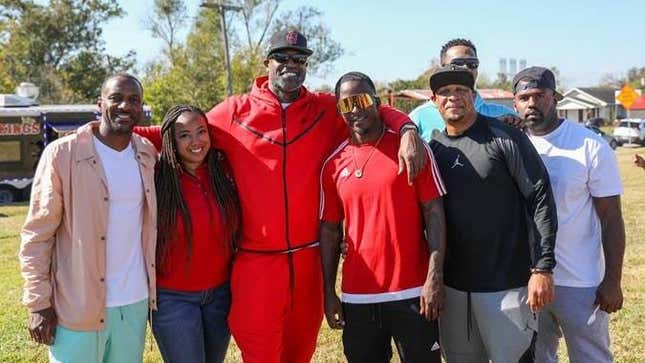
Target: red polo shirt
209,262
388,256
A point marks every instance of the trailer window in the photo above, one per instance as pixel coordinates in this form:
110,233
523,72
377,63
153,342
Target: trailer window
9,151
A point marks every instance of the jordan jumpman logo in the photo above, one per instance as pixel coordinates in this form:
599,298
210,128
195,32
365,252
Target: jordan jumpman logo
456,163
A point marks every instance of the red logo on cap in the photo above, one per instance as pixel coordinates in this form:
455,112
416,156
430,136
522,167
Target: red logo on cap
292,37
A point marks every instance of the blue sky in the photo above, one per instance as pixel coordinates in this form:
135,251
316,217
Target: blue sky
388,40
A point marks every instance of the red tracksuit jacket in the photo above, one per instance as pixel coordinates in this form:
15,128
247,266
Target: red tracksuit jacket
276,155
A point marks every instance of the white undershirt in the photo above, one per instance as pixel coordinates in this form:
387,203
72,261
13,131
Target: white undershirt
125,276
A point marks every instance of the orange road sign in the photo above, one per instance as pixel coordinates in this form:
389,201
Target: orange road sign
627,96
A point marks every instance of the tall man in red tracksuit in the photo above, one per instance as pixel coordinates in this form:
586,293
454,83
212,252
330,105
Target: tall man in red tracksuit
276,138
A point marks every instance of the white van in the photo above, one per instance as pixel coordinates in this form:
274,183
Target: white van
630,131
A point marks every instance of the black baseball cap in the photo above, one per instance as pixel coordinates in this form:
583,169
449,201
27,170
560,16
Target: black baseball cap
451,74
288,39
535,77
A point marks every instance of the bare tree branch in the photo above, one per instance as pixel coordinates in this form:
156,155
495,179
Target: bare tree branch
168,18
271,10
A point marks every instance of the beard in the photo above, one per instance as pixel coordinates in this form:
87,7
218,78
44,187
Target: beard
454,116
537,120
289,82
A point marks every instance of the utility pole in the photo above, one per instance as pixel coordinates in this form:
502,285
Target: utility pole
222,9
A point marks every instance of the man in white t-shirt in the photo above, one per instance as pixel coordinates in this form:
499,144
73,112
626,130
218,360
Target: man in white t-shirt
88,244
590,243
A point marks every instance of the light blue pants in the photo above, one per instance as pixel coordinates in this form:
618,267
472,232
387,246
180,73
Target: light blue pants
569,315
122,340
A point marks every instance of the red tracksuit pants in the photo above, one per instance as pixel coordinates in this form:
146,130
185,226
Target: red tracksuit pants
269,322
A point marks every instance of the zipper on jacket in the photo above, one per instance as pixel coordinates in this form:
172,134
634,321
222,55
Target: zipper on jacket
283,114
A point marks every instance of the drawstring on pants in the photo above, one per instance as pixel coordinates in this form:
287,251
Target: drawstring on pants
376,310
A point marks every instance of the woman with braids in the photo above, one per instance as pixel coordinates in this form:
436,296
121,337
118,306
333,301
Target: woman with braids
198,222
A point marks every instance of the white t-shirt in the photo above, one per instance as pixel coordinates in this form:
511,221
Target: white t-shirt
126,279
581,165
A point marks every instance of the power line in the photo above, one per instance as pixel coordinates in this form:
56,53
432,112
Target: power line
222,9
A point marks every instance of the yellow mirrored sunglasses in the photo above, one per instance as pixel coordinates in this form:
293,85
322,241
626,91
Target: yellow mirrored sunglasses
361,101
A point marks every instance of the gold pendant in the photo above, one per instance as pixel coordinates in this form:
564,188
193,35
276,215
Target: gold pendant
358,173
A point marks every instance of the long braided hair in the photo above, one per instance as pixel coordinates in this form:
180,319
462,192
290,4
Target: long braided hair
169,196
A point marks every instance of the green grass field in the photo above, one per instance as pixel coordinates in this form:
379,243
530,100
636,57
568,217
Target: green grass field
627,326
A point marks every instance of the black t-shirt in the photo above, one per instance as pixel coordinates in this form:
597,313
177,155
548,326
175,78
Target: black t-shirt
500,210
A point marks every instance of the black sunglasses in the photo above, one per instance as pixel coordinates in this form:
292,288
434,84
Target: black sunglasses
471,62
284,58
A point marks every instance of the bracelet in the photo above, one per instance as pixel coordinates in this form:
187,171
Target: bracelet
541,271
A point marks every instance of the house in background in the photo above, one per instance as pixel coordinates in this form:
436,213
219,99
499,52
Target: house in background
499,96
584,103
491,95
579,104
638,108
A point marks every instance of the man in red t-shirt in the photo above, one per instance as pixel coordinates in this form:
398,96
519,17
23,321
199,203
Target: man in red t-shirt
393,274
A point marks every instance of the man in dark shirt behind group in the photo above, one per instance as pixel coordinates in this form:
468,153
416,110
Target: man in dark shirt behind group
501,222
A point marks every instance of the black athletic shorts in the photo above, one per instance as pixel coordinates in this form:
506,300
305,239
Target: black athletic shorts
369,329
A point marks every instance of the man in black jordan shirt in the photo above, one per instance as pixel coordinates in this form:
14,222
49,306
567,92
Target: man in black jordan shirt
501,224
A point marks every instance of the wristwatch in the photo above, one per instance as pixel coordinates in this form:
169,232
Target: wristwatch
407,127
537,270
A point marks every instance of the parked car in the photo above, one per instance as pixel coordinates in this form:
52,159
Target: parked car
610,139
596,122
630,131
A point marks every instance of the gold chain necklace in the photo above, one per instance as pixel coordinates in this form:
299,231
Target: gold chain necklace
358,172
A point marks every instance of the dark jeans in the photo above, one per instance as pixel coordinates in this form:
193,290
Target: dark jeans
369,329
191,327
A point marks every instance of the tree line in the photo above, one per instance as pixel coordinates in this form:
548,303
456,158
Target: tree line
59,48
